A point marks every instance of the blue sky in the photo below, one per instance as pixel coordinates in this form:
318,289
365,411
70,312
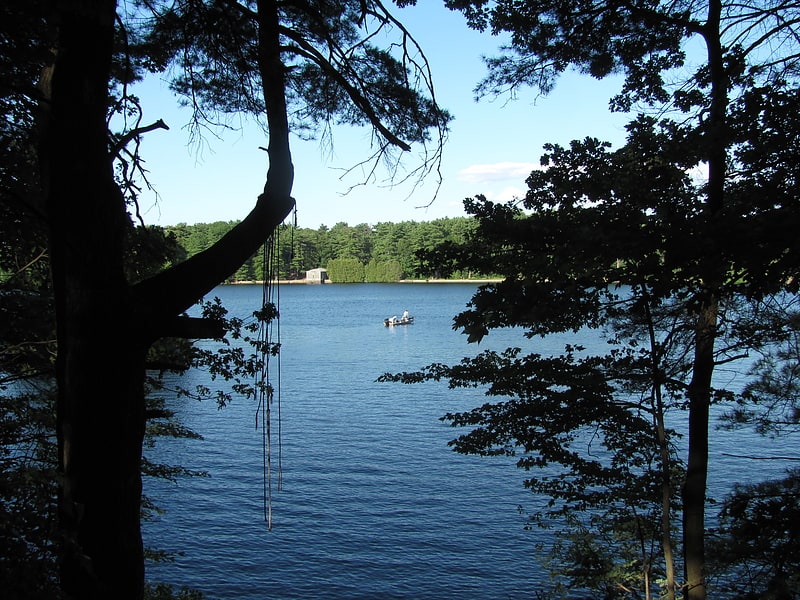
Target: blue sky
493,144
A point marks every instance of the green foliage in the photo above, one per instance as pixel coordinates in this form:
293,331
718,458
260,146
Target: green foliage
383,272
392,246
711,263
351,242
28,537
617,242
756,548
196,238
335,72
345,270
214,54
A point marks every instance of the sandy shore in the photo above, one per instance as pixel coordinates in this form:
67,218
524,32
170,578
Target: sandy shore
303,281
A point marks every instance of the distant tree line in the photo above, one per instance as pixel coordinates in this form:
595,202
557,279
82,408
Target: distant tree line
384,252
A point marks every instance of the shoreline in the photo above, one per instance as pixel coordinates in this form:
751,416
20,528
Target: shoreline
411,281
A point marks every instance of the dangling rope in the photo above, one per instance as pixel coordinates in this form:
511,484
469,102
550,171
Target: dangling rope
269,348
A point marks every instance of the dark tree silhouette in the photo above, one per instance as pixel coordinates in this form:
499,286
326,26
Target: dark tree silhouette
259,57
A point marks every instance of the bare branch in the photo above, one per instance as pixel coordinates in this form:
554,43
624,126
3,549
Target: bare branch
135,133
792,458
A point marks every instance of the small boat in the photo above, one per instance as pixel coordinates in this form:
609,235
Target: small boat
392,321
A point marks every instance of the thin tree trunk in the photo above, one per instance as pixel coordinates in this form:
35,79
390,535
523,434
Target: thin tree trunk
666,464
666,503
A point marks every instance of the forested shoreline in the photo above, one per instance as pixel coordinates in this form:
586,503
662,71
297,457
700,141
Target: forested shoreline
380,253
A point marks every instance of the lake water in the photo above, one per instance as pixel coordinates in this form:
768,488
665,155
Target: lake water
374,504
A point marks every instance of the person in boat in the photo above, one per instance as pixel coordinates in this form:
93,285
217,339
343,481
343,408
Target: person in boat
393,319
405,314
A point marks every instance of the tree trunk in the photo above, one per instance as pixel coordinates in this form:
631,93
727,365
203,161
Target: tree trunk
657,377
694,488
104,327
716,145
99,365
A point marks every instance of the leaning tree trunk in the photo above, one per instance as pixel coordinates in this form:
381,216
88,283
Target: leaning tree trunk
104,326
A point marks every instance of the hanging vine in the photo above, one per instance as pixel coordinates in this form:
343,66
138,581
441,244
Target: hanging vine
268,384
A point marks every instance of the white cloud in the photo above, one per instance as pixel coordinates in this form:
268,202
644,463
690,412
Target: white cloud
506,194
502,171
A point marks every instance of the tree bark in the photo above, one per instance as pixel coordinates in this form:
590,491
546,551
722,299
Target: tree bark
100,406
657,377
694,488
104,326
716,144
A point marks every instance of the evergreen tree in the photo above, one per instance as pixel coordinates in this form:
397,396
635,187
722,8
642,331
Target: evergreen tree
345,270
250,57
382,272
609,241
746,64
754,551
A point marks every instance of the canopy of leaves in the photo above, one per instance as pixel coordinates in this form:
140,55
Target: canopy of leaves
624,241
340,68
391,247
347,62
643,40
758,539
